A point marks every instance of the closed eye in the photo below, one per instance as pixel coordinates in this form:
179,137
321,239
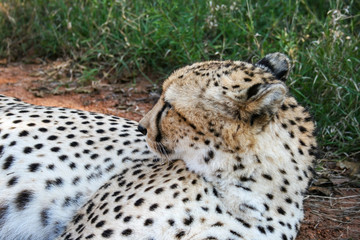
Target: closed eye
167,105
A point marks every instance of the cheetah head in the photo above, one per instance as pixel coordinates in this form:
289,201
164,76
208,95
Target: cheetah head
235,124
216,106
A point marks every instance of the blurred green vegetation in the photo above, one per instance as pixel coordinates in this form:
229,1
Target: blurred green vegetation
147,37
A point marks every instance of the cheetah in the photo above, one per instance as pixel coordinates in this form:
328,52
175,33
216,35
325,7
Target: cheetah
236,157
53,159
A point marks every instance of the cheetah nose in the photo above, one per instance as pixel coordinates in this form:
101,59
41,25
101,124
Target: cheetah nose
142,129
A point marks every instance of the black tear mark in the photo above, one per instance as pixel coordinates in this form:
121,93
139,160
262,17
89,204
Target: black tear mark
158,118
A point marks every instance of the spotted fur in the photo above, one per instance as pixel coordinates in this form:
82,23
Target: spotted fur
51,161
246,150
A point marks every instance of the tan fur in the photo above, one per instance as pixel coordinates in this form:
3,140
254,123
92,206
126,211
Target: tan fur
248,149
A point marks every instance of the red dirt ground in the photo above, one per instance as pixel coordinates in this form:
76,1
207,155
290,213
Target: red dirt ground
334,216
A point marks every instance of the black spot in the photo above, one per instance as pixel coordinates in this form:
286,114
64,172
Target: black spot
301,151
27,150
77,218
284,237
55,149
126,232
284,107
70,136
139,202
61,128
185,200
215,192
171,222
108,148
235,233
218,209
127,219
270,228
43,130
283,189
188,221
180,234
267,176
34,167
63,157
52,137
90,236
23,198
72,165
302,129
107,233
246,224
12,181
159,190
74,144
266,207
100,224
148,222
211,154
38,146
281,211
8,162
261,229
57,182
103,139
270,196
217,224
153,207
23,133
51,166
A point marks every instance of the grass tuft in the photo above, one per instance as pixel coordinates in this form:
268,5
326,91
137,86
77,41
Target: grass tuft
121,39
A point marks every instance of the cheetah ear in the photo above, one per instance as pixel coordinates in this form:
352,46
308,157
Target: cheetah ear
276,63
264,100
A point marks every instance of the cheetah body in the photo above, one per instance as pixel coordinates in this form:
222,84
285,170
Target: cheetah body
51,161
246,151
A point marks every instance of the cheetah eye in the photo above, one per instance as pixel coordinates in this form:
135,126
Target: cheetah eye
167,105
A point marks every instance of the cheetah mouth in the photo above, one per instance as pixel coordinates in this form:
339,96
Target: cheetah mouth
162,149
159,148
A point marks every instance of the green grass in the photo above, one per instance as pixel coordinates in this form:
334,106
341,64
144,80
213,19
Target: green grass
113,38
